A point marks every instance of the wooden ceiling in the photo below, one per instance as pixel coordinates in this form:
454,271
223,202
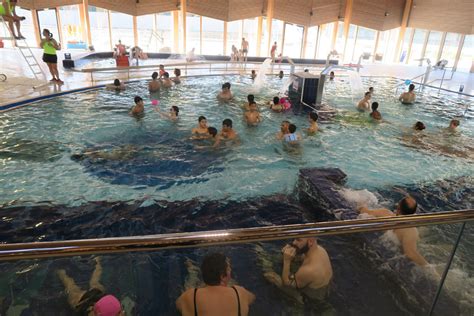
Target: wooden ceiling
441,15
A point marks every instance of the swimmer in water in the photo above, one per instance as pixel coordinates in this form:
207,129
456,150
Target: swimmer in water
375,114
253,75
139,107
252,117
172,115
364,104
408,237
227,133
250,99
161,70
201,131
332,76
225,94
177,75
280,74
292,137
154,85
275,105
210,137
283,130
313,123
166,81
117,86
408,97
453,125
419,126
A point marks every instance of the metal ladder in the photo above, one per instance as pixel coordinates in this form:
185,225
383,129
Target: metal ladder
26,52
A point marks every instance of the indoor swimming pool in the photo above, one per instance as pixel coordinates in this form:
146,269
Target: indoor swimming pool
79,166
153,157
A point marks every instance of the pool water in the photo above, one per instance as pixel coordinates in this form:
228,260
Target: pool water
153,157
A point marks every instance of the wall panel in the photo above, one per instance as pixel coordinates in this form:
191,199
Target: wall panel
245,9
216,9
455,16
325,11
123,6
293,11
155,6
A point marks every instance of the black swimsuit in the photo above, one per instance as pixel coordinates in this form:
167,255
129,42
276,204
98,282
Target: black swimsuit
236,293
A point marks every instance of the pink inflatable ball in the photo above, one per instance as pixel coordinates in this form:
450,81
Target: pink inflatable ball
155,102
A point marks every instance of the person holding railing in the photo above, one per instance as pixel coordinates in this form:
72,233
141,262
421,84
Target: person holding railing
408,237
216,297
312,279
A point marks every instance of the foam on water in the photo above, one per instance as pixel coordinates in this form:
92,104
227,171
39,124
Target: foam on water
359,197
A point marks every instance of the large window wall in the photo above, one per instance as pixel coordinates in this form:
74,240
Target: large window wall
155,33
100,32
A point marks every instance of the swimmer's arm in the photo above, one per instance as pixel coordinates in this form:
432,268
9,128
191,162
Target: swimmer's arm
249,295
181,305
217,142
382,212
410,250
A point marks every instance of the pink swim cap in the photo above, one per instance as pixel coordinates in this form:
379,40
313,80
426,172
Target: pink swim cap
155,102
109,305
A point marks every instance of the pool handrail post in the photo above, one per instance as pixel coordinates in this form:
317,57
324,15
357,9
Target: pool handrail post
446,269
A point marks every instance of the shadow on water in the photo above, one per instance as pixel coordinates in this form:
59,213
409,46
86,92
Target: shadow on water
161,162
30,150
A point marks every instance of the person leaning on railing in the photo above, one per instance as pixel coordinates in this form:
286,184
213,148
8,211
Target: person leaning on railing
216,298
408,237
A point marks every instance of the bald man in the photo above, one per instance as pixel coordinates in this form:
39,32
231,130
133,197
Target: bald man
408,237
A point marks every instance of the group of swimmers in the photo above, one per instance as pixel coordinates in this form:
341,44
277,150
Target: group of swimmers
306,276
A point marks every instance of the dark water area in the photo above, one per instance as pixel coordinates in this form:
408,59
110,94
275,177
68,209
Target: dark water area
159,161
152,281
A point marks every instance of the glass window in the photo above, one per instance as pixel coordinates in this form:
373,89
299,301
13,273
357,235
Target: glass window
264,40
71,27
212,36
467,53
365,42
311,40
250,34
432,48
324,42
122,28
277,35
99,22
351,42
164,28
417,46
339,39
27,28
450,48
293,40
146,28
234,35
47,20
406,45
193,33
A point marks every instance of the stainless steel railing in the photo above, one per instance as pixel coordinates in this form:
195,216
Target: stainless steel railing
50,249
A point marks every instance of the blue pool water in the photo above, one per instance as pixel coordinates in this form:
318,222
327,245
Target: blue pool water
153,157
42,163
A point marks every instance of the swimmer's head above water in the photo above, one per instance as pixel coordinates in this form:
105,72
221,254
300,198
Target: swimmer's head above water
250,98
138,100
406,206
313,116
212,131
226,125
216,269
411,87
175,109
284,126
419,126
202,121
276,100
292,128
375,106
117,83
154,75
454,124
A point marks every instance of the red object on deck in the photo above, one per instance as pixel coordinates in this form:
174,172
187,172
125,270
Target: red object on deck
1,43
122,61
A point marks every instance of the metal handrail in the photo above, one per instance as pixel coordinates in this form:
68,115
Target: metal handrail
50,249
